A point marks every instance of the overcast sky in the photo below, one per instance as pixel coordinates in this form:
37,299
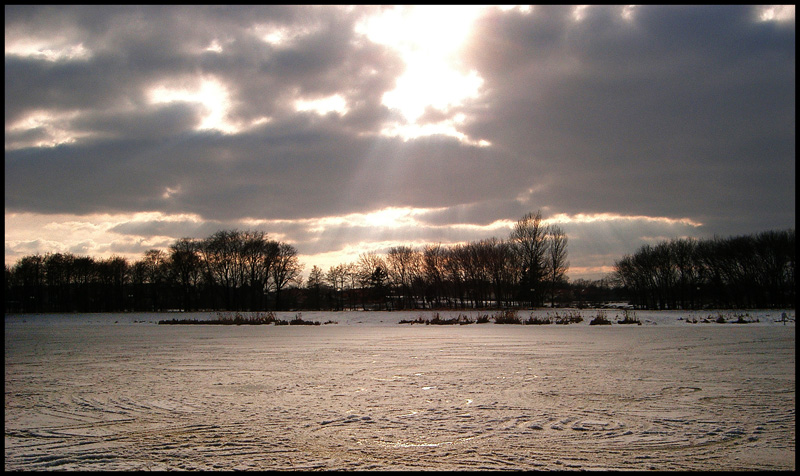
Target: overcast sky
343,130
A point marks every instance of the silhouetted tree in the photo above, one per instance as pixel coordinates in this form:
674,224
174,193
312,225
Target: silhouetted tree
258,255
186,265
314,284
404,266
59,271
455,273
433,257
556,259
112,274
372,275
741,271
501,269
220,254
529,239
335,278
85,275
378,283
285,270
156,271
29,274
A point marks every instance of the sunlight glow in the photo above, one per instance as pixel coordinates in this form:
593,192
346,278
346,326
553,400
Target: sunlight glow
519,8
322,106
597,271
350,253
53,125
276,36
778,13
595,217
210,93
47,50
428,37
215,47
91,235
447,128
385,218
282,36
170,191
579,12
391,217
627,12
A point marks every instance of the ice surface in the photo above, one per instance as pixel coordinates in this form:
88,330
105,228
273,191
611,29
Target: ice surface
119,392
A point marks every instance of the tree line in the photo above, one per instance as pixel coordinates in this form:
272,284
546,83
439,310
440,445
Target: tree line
526,269
752,271
238,270
246,270
231,269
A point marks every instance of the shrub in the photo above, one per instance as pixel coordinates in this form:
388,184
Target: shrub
482,319
229,318
508,316
437,320
298,321
443,322
571,317
628,319
180,321
464,319
600,319
538,320
418,320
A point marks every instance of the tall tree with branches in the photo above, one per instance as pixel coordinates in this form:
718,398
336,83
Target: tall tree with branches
556,256
530,242
286,269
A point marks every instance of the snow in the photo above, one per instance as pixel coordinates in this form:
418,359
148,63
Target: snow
119,392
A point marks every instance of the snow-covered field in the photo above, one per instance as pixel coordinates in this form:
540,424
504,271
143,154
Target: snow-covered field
118,391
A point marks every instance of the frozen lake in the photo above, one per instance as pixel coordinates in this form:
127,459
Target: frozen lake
119,392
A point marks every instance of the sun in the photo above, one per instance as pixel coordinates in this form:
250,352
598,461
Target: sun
428,38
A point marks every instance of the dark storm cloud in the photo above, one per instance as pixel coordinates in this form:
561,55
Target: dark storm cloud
292,169
286,168
659,115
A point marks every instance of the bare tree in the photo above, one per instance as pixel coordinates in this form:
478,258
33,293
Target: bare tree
30,275
500,267
529,238
404,267
455,274
372,274
185,258
743,271
221,255
336,277
156,268
286,270
556,258
350,281
314,284
59,272
433,258
258,255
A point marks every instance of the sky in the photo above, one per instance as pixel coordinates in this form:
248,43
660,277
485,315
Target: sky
351,129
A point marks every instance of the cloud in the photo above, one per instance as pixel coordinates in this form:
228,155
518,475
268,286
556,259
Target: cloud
679,98
670,113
